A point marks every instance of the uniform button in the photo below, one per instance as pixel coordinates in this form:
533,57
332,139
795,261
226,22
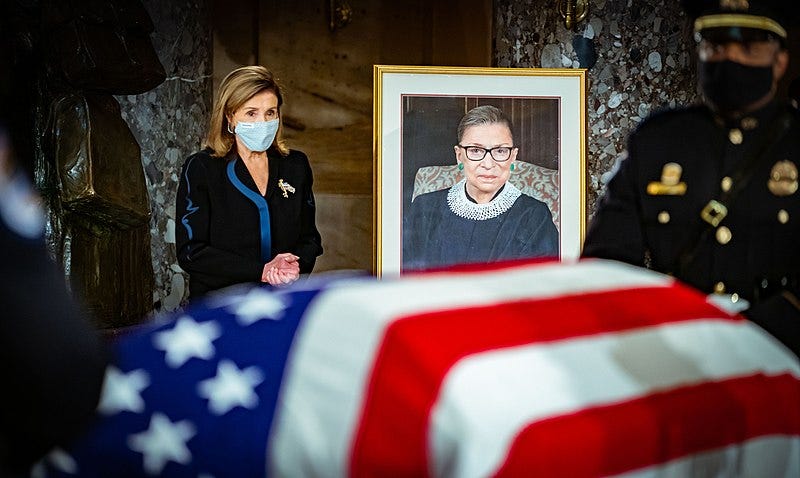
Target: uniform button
719,288
783,216
726,184
735,135
784,281
724,235
764,283
663,217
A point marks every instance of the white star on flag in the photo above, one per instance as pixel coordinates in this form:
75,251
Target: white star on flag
186,340
61,461
163,441
259,304
123,392
231,387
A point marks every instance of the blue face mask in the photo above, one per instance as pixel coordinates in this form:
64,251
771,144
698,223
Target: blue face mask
257,136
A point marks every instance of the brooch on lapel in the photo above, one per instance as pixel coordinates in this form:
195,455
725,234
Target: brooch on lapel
670,184
285,187
783,179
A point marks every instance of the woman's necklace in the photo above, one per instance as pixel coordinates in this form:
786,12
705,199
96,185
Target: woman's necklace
463,207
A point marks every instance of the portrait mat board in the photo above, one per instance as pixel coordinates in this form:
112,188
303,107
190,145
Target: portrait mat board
394,85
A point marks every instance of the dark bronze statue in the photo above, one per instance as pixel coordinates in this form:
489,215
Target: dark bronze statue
86,160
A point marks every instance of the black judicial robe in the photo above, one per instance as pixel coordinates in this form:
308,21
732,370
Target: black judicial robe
434,236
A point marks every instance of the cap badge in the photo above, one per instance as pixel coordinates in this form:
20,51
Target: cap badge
670,184
783,179
734,4
749,123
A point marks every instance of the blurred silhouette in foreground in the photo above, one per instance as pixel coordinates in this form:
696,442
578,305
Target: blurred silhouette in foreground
53,360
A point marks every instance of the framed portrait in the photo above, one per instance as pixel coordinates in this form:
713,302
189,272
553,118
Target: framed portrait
435,148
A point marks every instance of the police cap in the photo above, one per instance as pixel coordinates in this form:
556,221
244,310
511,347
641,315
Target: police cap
741,20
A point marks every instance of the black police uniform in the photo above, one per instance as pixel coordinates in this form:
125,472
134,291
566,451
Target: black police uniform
715,201
53,362
678,162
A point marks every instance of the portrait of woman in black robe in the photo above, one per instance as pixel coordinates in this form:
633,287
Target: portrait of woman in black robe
483,217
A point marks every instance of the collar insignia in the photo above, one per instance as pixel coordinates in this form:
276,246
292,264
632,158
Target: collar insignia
783,179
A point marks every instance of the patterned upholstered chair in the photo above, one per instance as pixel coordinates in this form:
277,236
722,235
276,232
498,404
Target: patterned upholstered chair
535,181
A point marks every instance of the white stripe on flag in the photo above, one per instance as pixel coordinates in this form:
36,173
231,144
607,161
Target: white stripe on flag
332,355
488,398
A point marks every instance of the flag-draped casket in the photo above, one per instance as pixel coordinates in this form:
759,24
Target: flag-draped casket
515,369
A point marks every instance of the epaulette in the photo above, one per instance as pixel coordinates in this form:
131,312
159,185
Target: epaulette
665,115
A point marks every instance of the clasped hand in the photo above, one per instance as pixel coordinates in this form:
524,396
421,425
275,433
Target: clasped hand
283,269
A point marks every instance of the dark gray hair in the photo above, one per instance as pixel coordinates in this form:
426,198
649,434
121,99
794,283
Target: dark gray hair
484,114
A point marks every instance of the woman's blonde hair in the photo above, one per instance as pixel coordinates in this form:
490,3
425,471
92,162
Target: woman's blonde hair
235,90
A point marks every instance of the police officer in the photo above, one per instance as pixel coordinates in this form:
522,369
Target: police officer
53,362
709,193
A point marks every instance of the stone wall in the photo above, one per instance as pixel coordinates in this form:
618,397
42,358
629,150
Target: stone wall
643,63
169,123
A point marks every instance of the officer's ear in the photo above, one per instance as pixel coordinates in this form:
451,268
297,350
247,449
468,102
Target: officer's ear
780,64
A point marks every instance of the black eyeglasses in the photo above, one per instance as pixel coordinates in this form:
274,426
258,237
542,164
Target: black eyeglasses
476,153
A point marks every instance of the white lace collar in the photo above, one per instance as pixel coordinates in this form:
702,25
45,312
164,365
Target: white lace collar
463,207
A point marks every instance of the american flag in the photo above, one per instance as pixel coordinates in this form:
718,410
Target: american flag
591,368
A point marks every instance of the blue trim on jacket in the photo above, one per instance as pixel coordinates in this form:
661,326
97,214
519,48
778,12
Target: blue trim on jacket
190,207
263,210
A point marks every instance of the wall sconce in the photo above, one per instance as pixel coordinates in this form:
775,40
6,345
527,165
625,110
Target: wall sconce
573,11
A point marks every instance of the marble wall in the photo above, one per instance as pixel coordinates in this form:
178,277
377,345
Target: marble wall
169,123
643,51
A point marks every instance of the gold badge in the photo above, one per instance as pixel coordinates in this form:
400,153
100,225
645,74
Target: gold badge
734,4
285,187
670,184
749,123
783,179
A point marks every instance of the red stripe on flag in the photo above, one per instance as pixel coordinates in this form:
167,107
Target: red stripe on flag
657,428
416,353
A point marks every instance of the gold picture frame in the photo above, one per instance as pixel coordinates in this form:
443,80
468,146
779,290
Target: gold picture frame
413,115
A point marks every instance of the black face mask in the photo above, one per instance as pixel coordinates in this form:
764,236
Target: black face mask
731,86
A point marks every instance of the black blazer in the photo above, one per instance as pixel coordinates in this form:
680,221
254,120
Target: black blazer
227,231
